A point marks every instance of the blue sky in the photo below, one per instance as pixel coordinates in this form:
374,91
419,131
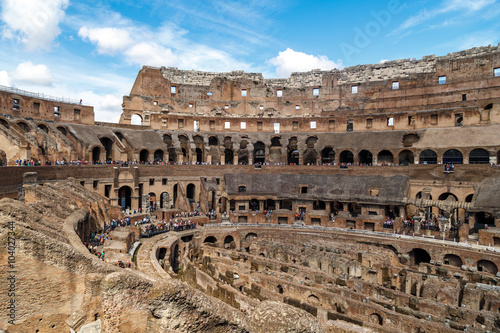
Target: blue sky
94,49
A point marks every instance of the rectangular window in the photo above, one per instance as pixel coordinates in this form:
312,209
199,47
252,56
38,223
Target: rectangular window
369,123
180,123
211,124
295,125
36,107
56,111
442,80
164,122
395,85
196,125
276,127
243,125
390,121
151,181
15,104
226,107
259,125
107,190
331,124
227,124
350,126
173,89
313,125
411,120
279,93
354,89
297,107
464,97
190,105
241,207
96,183
164,181
459,119
76,114
496,72
315,91
243,93
434,119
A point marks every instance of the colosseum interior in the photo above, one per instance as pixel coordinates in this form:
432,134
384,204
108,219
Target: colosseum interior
358,200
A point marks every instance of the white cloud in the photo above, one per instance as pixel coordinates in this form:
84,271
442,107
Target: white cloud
4,79
382,61
290,61
151,54
108,40
28,73
34,22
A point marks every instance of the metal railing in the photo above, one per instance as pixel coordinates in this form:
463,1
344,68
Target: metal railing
38,95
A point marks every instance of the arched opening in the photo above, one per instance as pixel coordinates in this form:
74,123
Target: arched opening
310,156
228,157
164,200
190,192
124,197
327,155
210,240
174,259
275,142
158,155
418,256
213,141
452,156
259,155
269,204
24,127
346,157
167,139
229,242
286,204
62,130
254,204
453,260
199,155
428,157
108,147
250,237
279,289
152,201
293,152
375,319
243,153
406,157
43,128
136,119
319,205
313,299
447,196
96,154
479,156
4,123
144,155
487,266
365,157
385,156
469,197
420,194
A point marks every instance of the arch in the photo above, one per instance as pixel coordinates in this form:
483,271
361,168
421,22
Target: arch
96,154
229,242
365,157
199,155
164,200
250,237
23,126
190,192
418,256
479,156
452,156
453,260
310,156
254,204
327,155
376,319
419,196
428,157
43,128
275,141
158,155
108,147
269,204
313,299
406,157
213,141
167,139
280,290
469,197
293,152
152,200
311,141
210,239
259,153
448,196
228,156
144,155
63,130
4,123
385,156
136,119
487,266
124,197
346,156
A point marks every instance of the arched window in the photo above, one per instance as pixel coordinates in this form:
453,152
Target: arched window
428,157
452,156
479,156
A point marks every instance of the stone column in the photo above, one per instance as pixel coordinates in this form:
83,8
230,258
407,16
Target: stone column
145,203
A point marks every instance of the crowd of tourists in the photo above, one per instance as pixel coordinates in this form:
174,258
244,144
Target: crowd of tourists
98,238
388,223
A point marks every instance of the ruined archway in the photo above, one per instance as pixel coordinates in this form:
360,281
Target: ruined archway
385,156
136,119
96,154
453,260
365,157
158,155
229,242
487,267
327,155
124,197
406,157
228,157
418,256
346,157
144,156
428,157
259,153
108,147
293,152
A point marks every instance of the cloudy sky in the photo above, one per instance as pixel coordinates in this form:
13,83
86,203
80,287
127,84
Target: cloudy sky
93,49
